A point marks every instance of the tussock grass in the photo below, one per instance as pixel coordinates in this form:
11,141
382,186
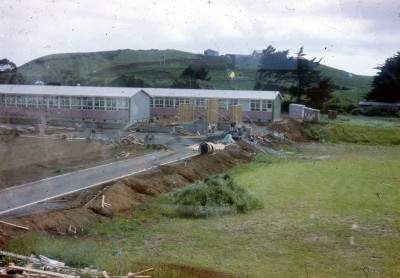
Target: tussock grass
215,195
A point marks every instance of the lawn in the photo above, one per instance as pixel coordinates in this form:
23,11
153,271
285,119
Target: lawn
329,211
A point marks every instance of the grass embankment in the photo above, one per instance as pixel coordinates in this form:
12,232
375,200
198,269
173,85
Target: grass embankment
355,131
320,218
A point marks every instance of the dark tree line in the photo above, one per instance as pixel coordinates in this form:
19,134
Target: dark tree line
386,85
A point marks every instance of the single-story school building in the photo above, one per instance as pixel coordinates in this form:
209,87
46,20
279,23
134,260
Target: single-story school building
117,104
257,105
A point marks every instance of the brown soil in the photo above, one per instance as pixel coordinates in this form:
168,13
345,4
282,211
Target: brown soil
130,192
200,272
291,129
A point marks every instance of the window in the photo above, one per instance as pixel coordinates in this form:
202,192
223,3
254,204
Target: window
10,100
42,101
53,102
223,104
111,104
87,103
31,101
122,104
21,101
255,105
179,101
64,102
159,102
2,100
233,102
75,103
200,103
169,102
261,105
99,103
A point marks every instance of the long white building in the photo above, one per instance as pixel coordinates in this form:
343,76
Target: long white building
117,104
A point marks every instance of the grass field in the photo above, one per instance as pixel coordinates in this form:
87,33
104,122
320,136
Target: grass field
329,210
367,131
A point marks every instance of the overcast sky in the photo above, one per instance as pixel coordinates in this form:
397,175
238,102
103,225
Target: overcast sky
351,35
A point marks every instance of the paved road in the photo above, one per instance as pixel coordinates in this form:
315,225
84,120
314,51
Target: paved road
28,194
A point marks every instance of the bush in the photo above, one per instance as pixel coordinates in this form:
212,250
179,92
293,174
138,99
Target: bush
357,111
380,112
215,195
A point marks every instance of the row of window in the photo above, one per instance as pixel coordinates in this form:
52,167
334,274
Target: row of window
261,105
255,105
65,102
121,104
172,102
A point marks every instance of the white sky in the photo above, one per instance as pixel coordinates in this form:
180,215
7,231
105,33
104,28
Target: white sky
351,35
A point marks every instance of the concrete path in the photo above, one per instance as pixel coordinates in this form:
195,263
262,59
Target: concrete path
21,196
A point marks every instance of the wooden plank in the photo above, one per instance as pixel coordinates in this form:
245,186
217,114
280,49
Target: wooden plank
13,225
186,112
212,111
140,272
105,274
236,113
49,273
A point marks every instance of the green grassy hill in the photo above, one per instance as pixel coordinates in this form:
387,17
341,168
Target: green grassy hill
152,70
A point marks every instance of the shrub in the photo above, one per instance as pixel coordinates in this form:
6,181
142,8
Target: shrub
357,111
380,112
216,195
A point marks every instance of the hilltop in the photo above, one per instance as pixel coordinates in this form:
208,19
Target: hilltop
159,68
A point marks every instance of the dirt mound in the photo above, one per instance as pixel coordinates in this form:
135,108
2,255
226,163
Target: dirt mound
200,272
291,129
130,192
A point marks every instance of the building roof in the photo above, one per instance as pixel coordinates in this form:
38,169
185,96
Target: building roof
69,90
129,92
371,103
220,94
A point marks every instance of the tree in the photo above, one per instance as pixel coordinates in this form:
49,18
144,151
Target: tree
386,85
298,76
306,74
274,67
191,78
9,73
7,66
318,95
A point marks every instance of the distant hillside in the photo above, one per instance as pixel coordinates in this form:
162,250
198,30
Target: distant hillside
159,68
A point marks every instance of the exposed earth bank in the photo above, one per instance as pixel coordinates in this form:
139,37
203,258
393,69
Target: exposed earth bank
130,192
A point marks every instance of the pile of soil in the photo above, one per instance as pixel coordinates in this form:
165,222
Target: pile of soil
291,129
130,192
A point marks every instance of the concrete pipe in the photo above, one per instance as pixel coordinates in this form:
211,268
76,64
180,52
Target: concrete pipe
207,148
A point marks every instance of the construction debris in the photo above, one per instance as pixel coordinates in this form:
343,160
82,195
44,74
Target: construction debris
49,262
129,139
20,257
25,272
59,270
14,225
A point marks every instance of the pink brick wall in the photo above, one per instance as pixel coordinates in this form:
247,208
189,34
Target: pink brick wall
64,113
